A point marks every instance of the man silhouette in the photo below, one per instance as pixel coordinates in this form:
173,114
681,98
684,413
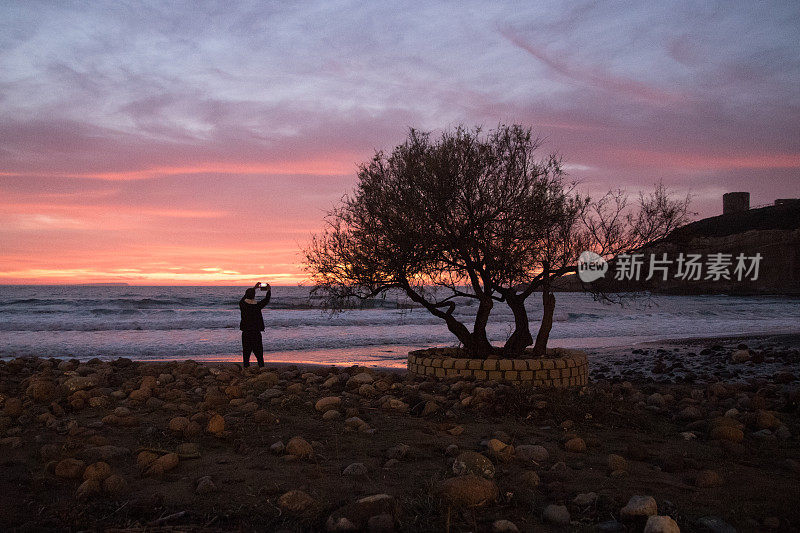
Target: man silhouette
252,324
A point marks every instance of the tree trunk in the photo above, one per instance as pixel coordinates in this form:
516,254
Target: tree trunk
549,304
482,345
521,338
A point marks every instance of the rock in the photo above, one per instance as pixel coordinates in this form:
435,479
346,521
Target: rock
500,450
381,523
361,378
367,391
740,356
661,524
456,430
145,459
178,424
430,408
690,413
140,395
727,433
328,403
41,390
98,471
205,485
707,478
115,486
297,502
576,445
470,462
299,447
556,514
69,468
191,449
532,453
165,463
767,420
277,448
617,462
13,407
216,425
639,506
356,516
398,452
530,479
333,414
355,422
356,469
585,499
610,526
77,383
87,489
467,491
715,524
504,526
656,399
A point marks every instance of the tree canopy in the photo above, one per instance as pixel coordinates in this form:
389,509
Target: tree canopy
473,216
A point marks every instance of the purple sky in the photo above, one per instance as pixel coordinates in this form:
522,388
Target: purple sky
203,142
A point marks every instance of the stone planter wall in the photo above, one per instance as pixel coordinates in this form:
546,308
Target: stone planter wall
561,368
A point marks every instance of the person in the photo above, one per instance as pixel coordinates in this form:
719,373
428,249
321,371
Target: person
252,323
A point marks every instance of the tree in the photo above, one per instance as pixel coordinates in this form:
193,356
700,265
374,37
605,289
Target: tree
472,217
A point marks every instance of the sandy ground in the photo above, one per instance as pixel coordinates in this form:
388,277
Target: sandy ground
189,447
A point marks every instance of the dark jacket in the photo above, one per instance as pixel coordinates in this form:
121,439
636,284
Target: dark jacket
251,314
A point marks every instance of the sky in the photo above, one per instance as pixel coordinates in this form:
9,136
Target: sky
203,142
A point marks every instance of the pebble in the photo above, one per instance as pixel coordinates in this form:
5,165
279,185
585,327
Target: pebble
727,433
98,471
617,462
299,447
332,414
467,491
639,506
661,524
556,514
708,478
500,450
205,485
115,486
356,469
328,403
297,502
277,448
715,524
87,489
576,445
530,478
470,462
69,468
356,516
585,499
532,453
216,425
504,526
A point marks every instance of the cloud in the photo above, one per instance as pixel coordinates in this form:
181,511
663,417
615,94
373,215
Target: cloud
164,136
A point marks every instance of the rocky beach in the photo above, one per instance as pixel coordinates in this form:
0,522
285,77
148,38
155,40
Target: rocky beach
697,435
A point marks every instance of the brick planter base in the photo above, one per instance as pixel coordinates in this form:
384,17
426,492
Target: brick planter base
561,368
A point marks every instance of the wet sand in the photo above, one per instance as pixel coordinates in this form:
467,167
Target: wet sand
189,447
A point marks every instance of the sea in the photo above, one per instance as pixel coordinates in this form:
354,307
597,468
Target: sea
201,323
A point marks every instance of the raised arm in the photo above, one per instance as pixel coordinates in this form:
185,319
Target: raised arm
262,303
